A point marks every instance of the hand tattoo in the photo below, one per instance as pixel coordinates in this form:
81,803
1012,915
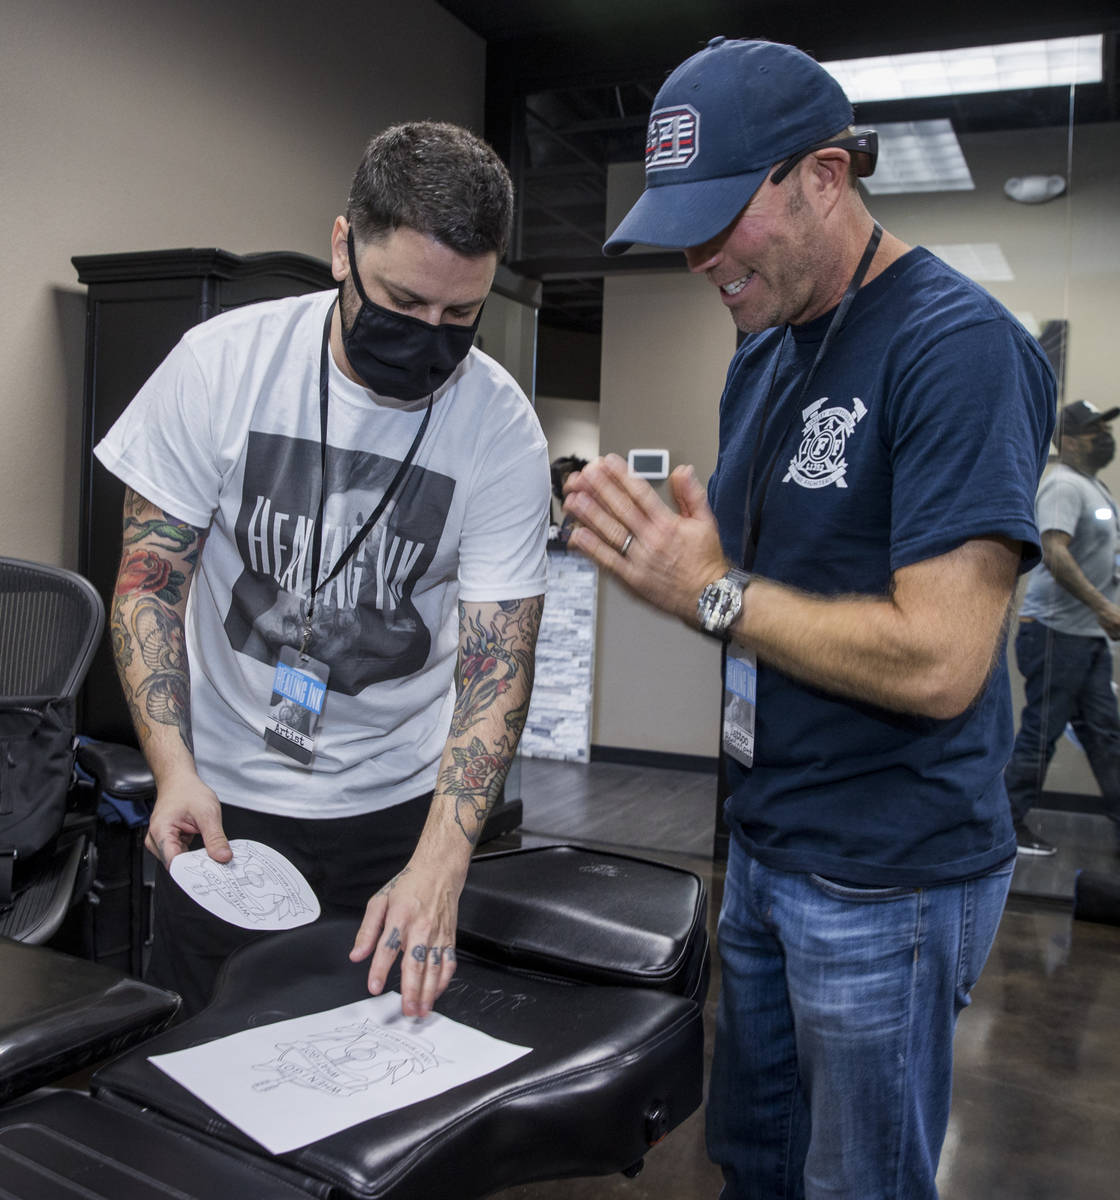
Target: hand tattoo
384,891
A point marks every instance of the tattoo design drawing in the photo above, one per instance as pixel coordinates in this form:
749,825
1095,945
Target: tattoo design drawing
495,659
257,888
349,1060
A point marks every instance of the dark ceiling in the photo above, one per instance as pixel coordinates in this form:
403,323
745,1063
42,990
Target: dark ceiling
570,84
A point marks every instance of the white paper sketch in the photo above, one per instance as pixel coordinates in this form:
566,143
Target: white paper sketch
348,1060
257,889
294,1082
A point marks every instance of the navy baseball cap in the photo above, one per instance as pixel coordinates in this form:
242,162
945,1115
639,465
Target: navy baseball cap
1081,417
719,123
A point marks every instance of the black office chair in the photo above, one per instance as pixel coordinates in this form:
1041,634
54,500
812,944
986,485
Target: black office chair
50,623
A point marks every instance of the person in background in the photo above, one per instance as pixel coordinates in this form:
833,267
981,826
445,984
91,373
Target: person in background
1067,622
356,502
561,468
882,431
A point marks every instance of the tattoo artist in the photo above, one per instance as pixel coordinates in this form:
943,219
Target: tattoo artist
356,502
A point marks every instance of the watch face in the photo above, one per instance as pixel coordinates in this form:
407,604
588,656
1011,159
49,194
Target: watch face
720,603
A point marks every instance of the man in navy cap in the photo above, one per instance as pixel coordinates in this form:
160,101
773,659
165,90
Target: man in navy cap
1066,621
882,430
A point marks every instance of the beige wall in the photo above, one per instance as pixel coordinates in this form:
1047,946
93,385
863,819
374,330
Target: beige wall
571,426
666,344
151,124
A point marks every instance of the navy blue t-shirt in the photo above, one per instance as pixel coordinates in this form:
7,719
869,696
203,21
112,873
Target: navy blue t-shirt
927,424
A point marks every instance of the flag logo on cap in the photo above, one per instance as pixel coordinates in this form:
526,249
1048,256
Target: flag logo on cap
674,138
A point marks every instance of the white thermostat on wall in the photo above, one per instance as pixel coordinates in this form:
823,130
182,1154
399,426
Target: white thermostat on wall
648,464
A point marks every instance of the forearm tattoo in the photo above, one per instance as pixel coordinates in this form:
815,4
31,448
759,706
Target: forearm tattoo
146,617
493,682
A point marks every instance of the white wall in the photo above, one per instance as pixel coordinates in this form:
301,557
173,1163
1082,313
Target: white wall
152,124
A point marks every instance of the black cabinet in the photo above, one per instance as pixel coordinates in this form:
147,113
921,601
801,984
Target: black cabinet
138,306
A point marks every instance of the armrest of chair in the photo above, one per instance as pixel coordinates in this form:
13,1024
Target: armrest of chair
117,769
60,1013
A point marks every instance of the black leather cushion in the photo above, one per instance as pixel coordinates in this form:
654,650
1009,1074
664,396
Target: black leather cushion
612,1069
588,915
64,1146
59,1014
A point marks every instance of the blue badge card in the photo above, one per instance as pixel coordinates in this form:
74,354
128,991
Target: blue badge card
299,690
740,681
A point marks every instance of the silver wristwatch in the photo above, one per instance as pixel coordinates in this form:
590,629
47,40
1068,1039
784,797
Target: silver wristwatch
721,602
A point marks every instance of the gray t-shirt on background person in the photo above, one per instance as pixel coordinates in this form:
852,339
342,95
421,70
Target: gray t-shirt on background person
1083,507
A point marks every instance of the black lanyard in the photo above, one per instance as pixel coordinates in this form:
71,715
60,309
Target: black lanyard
363,533
752,525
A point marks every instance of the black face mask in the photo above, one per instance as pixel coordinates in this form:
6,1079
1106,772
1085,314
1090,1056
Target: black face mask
397,355
1102,449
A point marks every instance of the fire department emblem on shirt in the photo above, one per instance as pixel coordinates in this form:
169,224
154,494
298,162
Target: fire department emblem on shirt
673,139
820,459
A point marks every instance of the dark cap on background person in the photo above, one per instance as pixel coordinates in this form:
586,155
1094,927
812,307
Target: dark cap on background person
1081,417
719,123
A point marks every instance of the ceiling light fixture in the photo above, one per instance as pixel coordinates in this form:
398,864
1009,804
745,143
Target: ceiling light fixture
919,156
1051,62
1034,189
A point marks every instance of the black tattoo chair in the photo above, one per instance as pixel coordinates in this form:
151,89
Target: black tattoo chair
58,1013
50,623
598,962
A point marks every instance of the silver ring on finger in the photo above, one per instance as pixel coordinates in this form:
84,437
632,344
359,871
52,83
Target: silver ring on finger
626,545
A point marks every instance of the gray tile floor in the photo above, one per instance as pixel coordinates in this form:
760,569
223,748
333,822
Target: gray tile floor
1036,1099
1084,841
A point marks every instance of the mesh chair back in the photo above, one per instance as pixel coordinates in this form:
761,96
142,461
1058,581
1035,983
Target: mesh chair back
50,623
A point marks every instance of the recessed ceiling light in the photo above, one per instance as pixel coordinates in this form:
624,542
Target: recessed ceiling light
919,156
1049,63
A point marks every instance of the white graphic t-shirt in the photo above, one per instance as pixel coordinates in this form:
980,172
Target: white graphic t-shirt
226,435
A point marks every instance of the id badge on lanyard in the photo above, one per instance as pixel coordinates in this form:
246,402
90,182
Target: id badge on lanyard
299,688
740,683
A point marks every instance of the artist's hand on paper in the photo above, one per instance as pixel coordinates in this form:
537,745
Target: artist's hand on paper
184,808
670,557
414,915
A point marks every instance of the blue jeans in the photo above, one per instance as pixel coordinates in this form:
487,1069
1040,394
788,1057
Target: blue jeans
1068,680
832,1069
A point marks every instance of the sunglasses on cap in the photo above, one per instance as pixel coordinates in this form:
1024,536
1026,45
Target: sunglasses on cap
865,145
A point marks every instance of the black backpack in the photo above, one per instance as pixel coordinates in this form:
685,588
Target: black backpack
37,748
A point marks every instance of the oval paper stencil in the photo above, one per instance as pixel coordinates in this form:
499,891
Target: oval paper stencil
257,889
